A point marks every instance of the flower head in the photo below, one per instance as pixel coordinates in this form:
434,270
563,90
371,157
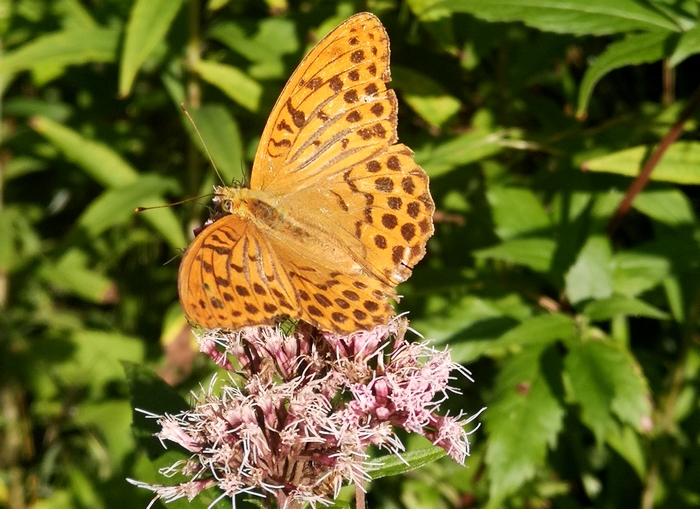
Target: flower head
310,405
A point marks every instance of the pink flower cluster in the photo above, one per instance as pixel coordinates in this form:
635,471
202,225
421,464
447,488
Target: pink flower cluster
308,406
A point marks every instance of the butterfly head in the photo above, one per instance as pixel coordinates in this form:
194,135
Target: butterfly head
228,199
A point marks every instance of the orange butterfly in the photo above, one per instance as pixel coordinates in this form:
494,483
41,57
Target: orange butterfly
337,213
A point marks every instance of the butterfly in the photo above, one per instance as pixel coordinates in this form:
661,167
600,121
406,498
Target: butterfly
337,212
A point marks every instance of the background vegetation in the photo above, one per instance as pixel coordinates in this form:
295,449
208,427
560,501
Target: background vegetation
579,320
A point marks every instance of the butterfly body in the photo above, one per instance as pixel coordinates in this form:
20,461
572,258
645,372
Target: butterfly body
337,213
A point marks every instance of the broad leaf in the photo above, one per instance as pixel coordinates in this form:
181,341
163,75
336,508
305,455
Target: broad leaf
607,384
524,419
679,164
590,277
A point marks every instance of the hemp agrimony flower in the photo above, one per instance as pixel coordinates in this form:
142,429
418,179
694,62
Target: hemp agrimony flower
307,406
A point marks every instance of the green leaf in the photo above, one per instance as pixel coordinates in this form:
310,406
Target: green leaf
538,330
111,418
72,274
516,211
394,465
426,96
440,159
109,169
523,419
636,272
668,206
97,159
95,357
606,309
633,50
20,241
148,24
590,277
148,392
75,46
688,45
629,445
74,14
606,382
679,164
30,106
583,17
265,45
536,253
21,165
471,325
116,206
222,138
233,82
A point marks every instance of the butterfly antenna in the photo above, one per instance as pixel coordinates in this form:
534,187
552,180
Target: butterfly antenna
143,209
211,160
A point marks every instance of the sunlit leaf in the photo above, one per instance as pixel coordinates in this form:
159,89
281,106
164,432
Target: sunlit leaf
679,164
233,82
148,24
70,47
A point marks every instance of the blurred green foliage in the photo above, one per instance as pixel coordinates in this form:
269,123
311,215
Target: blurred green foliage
532,118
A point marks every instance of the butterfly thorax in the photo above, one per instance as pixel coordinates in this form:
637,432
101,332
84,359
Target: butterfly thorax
258,207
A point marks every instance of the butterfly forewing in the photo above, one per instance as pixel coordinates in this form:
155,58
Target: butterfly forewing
319,110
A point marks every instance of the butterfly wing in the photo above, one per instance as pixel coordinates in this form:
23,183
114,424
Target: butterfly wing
230,278
329,150
335,110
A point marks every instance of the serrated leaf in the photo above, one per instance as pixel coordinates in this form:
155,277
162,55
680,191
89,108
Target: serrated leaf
148,24
523,419
606,382
606,309
688,45
516,211
74,46
633,50
393,465
471,325
442,158
590,277
680,163
233,82
536,253
582,17
668,206
636,272
424,95
222,138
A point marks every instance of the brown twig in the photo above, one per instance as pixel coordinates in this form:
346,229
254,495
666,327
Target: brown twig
651,163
